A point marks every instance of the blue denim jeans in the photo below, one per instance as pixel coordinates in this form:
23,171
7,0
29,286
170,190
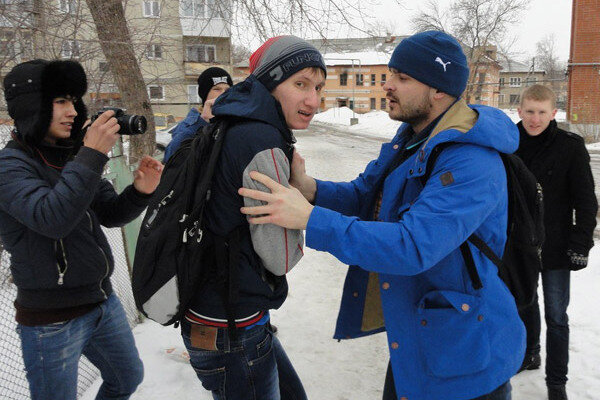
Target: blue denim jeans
51,354
500,393
252,367
556,289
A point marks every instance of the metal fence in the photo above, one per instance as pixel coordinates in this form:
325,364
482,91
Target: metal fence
13,383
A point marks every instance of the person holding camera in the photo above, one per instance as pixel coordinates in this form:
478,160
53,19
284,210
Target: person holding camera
53,202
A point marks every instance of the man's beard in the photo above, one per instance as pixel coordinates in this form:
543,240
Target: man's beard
412,114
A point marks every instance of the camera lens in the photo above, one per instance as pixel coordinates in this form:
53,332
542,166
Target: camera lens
137,124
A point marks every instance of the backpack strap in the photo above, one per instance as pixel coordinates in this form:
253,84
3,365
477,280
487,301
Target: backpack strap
474,239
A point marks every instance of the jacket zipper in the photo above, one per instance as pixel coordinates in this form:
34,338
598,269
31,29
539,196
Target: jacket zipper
103,254
61,273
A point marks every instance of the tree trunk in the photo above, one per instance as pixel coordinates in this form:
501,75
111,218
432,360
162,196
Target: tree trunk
113,33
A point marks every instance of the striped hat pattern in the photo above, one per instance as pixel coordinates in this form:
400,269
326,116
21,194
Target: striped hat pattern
282,56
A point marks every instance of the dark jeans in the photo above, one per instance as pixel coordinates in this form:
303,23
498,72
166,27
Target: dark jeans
51,354
500,393
555,286
253,367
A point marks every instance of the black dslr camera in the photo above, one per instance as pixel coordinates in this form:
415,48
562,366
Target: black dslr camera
130,124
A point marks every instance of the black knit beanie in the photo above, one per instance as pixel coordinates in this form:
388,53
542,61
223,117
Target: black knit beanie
211,77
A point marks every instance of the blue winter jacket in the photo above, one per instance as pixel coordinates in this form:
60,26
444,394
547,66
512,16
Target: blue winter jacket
186,129
447,341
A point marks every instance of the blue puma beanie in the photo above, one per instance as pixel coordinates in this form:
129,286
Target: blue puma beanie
435,59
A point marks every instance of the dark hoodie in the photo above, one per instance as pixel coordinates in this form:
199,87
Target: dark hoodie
258,140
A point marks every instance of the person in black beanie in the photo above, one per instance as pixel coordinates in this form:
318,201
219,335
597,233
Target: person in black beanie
53,202
212,82
561,164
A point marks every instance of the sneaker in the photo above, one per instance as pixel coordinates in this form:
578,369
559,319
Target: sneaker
557,392
531,362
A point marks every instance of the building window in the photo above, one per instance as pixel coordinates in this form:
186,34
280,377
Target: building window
501,82
67,6
383,104
201,53
383,79
514,98
156,92
197,8
192,91
70,49
373,106
343,79
153,52
7,44
351,105
515,82
373,79
151,8
501,98
532,80
103,66
359,80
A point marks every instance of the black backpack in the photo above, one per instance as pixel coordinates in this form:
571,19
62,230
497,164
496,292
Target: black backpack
175,252
521,263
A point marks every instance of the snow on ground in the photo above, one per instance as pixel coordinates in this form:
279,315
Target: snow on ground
354,369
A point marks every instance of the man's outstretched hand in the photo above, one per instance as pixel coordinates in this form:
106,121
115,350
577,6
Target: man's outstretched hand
285,207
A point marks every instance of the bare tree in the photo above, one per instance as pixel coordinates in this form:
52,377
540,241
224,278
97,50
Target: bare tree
477,24
113,33
547,59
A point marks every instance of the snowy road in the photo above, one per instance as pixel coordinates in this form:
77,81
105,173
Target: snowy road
355,369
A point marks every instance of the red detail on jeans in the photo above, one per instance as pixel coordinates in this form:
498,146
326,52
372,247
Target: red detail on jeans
300,248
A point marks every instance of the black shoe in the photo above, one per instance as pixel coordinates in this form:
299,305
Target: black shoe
557,392
531,362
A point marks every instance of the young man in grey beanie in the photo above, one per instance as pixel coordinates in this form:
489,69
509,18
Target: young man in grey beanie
212,82
451,335
227,330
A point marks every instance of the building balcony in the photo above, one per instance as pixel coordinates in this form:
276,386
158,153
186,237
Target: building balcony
193,68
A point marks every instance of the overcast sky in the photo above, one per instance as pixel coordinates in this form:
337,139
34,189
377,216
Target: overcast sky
543,17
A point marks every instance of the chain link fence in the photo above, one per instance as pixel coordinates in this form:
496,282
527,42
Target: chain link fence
13,382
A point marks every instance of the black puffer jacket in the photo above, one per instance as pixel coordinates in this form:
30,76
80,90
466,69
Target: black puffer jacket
561,165
50,224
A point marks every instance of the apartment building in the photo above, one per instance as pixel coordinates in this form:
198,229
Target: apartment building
174,41
515,76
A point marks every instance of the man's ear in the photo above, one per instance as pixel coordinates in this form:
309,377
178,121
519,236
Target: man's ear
437,94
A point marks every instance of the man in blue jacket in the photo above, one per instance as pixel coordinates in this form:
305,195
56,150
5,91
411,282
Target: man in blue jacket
53,202
401,236
212,82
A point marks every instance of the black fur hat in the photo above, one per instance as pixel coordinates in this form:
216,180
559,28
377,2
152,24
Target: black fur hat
30,88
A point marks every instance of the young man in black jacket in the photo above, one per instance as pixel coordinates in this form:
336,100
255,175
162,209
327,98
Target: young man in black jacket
52,202
561,164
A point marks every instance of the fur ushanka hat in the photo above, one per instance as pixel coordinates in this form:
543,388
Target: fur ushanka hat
30,88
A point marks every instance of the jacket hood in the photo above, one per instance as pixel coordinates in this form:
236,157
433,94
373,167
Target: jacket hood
251,100
30,88
476,124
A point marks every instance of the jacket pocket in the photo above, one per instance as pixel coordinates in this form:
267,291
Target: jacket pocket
453,333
